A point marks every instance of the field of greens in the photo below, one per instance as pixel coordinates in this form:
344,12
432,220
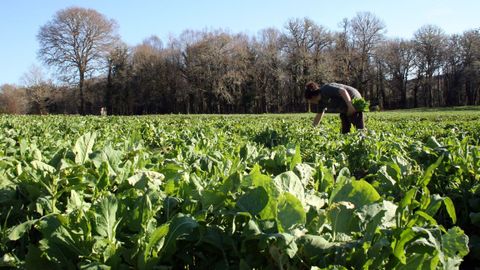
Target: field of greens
240,192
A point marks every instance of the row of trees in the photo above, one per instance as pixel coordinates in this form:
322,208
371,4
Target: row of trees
221,72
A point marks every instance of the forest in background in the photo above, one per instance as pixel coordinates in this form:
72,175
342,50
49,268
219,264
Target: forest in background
216,71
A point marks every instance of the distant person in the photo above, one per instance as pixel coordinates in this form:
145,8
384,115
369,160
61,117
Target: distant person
335,98
103,111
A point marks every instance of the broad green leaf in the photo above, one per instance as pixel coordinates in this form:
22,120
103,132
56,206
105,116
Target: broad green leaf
427,175
290,245
426,242
60,250
248,151
385,177
76,201
377,216
35,259
450,209
424,245
156,241
358,192
23,146
172,170
315,201
305,172
393,169
433,143
232,183
94,266
314,247
427,217
109,156
352,195
214,236
290,212
251,229
399,245
373,225
7,190
44,167
455,243
146,179
431,204
179,226
213,198
37,155
289,182
415,262
342,179
407,199
102,182
61,242
326,180
83,147
256,178
435,204
254,201
106,218
296,158
18,231
280,244
342,218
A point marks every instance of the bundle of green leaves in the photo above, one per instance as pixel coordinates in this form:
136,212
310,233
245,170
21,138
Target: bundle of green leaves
360,104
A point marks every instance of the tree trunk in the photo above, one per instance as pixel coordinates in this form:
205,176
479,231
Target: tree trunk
404,94
469,91
430,91
415,94
107,102
82,98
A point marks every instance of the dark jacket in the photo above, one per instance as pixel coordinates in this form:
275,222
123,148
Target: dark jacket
332,101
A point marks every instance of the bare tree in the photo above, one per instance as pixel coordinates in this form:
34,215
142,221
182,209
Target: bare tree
341,54
116,95
12,100
367,32
209,69
470,51
453,70
147,69
430,45
304,44
220,72
397,56
268,71
76,41
39,90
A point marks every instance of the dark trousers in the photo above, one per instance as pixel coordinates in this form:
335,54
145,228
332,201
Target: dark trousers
356,119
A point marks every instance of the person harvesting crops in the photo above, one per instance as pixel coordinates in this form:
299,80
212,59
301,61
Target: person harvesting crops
337,98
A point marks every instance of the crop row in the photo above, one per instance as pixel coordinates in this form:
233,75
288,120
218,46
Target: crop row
240,192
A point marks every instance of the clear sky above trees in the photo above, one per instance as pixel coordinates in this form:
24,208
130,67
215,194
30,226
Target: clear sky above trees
20,20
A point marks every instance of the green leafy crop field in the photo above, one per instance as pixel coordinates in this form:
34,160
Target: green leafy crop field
240,192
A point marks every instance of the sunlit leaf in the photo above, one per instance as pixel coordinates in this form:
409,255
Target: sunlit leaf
83,147
290,212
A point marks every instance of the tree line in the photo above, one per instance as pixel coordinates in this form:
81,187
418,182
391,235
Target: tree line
217,71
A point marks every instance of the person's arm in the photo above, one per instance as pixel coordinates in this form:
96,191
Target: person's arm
348,101
318,118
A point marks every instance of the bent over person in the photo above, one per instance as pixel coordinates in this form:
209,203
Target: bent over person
335,98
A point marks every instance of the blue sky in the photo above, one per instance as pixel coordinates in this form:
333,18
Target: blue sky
20,20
